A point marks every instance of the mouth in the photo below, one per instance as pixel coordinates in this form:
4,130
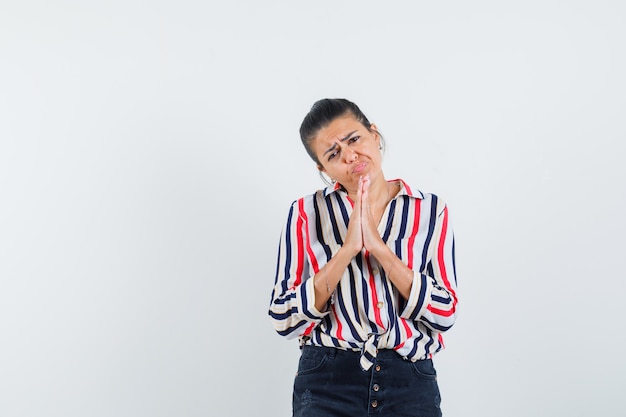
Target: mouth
359,168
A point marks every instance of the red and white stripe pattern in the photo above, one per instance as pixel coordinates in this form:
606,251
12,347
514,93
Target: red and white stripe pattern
365,305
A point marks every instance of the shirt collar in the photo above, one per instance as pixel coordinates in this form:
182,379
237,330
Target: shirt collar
404,189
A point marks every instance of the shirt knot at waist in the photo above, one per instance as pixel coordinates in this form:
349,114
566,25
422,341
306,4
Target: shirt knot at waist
369,351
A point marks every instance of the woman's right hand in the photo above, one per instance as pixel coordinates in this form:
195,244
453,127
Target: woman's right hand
354,236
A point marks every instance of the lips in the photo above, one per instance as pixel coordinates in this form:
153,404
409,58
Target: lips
359,168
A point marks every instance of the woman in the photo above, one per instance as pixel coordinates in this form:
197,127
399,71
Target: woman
365,278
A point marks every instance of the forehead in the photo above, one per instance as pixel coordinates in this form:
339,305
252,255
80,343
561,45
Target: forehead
337,130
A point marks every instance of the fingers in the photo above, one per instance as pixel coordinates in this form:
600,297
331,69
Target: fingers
368,225
365,182
364,188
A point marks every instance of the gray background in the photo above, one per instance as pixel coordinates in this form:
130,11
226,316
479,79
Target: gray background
149,153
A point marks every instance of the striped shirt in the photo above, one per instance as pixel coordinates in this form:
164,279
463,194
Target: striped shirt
365,309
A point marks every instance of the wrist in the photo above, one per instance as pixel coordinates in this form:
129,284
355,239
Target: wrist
346,253
380,250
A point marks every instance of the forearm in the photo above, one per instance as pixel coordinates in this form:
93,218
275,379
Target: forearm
427,300
396,271
327,278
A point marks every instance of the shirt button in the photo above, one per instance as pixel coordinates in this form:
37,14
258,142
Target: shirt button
380,304
374,404
377,368
375,271
376,387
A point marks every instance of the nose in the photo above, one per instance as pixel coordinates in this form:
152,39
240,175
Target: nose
350,155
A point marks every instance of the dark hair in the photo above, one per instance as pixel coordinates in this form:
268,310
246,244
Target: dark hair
322,113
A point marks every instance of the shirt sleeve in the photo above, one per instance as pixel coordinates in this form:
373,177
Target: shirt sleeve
433,298
292,307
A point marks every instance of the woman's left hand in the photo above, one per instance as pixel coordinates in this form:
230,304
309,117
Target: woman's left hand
371,238
402,277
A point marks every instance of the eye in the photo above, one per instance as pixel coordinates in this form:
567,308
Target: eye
333,154
354,139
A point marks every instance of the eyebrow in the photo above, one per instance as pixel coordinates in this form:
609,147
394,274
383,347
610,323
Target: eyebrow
340,140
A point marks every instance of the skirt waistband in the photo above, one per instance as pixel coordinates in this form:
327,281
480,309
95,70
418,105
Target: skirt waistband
334,351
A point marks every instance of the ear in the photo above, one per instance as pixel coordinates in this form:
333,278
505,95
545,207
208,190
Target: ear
374,130
321,168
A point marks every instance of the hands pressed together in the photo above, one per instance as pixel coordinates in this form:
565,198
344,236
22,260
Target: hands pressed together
362,233
362,229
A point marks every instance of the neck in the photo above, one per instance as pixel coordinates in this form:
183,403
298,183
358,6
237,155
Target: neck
379,192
